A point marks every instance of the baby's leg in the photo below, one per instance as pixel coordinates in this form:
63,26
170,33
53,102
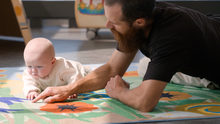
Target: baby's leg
178,78
142,66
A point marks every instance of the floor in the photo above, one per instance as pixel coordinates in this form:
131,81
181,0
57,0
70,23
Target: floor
72,43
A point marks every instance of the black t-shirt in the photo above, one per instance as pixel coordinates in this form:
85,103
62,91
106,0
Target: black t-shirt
182,40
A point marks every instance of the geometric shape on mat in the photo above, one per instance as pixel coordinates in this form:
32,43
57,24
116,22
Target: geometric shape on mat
7,110
1,75
173,96
9,100
201,108
68,107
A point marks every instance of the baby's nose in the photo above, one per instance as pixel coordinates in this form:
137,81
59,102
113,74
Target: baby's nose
34,70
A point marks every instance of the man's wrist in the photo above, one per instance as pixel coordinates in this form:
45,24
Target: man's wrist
123,93
71,88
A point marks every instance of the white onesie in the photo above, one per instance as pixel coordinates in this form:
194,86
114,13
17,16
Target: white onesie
64,72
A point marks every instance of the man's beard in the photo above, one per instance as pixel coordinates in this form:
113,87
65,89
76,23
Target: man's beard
131,40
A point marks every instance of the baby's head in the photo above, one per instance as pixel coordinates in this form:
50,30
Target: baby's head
39,57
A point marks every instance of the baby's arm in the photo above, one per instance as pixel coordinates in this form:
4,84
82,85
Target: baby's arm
72,96
30,88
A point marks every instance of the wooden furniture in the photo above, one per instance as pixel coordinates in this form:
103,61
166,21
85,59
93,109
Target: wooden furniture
13,20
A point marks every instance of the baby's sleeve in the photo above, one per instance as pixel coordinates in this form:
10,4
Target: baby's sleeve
70,75
29,84
76,72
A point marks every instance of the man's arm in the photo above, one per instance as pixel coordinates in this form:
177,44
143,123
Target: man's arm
117,65
97,79
144,97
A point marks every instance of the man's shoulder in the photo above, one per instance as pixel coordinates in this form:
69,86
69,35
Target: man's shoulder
172,9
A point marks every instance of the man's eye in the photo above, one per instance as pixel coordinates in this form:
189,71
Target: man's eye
29,66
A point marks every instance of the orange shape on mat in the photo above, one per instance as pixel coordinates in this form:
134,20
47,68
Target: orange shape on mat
2,75
2,70
131,74
68,107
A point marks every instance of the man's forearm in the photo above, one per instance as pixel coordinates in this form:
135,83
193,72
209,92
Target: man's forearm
144,97
134,99
95,80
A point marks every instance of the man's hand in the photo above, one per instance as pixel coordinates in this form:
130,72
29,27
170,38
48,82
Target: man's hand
52,94
115,86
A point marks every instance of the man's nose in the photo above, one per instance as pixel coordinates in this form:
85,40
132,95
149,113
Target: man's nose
109,25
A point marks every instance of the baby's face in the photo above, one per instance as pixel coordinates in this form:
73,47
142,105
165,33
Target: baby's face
39,68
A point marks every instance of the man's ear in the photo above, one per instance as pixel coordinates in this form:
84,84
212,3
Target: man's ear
141,22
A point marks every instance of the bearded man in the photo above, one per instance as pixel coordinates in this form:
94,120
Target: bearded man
176,39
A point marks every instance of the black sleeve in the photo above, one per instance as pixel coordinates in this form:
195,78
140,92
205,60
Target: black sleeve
169,53
164,65
170,44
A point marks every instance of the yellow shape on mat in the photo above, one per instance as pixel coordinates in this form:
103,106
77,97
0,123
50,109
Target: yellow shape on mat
15,86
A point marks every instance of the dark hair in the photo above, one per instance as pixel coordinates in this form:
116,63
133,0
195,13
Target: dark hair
134,9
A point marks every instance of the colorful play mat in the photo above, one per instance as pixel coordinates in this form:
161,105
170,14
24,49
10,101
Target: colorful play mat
177,103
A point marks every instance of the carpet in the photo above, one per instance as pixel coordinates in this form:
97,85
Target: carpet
177,103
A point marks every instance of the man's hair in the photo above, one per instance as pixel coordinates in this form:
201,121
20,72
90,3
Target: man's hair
134,9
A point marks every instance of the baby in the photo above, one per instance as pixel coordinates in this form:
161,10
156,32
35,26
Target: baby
43,69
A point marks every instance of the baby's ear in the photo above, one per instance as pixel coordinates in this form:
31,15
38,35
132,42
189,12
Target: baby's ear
53,60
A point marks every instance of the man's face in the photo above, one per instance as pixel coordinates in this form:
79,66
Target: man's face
114,18
128,36
131,39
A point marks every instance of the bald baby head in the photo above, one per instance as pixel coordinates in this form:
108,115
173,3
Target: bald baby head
39,48
39,57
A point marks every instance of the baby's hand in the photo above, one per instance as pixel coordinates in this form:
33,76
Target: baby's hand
72,96
31,95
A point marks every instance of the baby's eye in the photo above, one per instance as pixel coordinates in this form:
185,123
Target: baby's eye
39,67
29,66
